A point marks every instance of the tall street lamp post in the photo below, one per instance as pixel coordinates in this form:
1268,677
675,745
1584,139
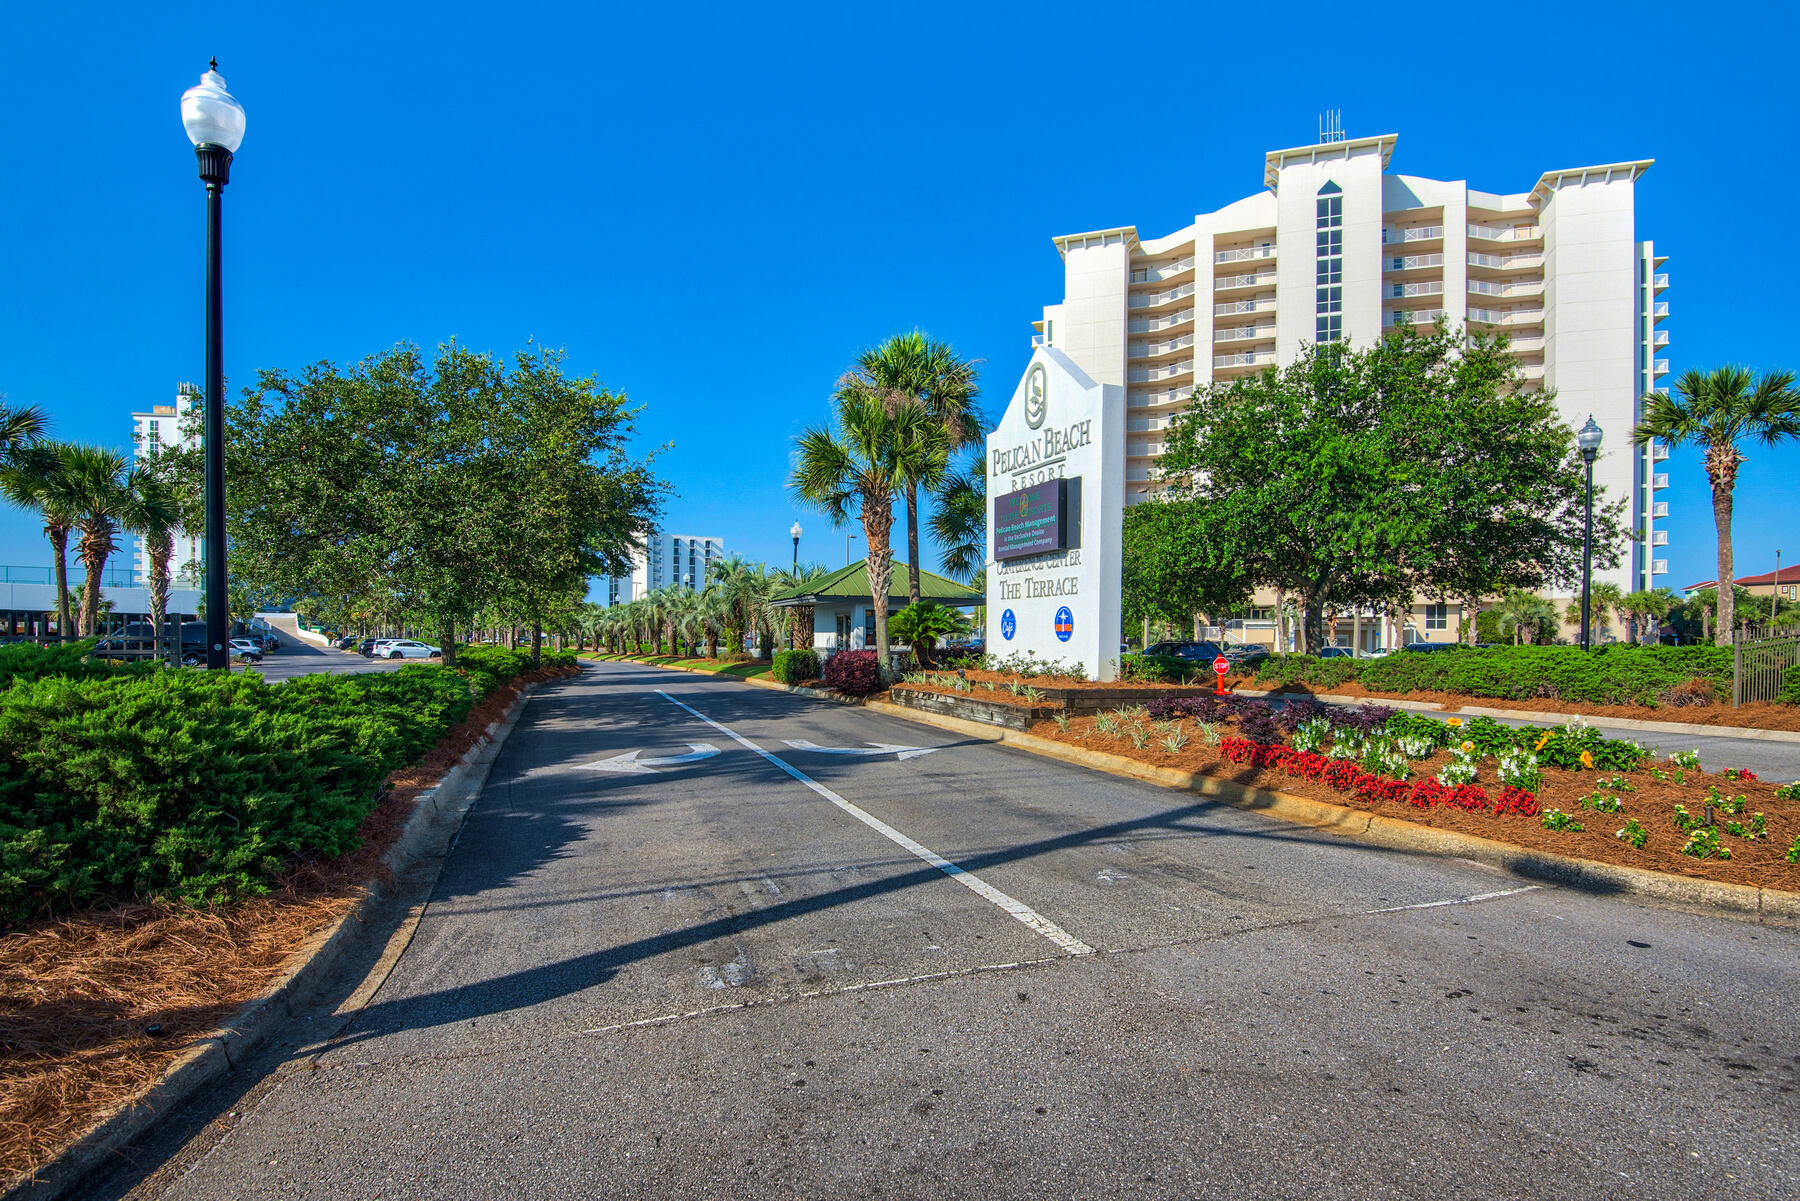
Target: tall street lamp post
1588,439
796,533
215,124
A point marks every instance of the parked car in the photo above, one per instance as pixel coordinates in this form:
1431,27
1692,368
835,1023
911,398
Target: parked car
246,649
1193,652
1242,654
1337,652
406,648
1428,647
367,646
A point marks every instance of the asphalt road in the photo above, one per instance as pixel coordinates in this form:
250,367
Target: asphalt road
774,971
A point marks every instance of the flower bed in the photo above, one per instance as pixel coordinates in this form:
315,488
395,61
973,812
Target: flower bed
1564,789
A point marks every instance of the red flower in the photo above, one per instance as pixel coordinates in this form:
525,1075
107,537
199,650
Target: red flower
1516,800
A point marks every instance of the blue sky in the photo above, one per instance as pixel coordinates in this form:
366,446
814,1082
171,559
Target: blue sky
715,208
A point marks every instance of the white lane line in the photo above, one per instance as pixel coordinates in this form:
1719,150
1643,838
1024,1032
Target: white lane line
1480,896
969,880
952,974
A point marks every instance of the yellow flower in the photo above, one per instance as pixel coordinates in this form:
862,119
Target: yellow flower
1587,758
1542,741
1453,721
1468,747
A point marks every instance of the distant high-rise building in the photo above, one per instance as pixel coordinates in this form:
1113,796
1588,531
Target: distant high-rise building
1337,247
163,428
683,560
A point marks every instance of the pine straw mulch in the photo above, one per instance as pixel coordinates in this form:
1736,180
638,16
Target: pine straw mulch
80,995
1759,862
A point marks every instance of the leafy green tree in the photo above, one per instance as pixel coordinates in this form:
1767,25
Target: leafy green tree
914,369
1716,411
1604,599
923,624
1365,476
1644,609
856,465
1175,565
1527,617
799,617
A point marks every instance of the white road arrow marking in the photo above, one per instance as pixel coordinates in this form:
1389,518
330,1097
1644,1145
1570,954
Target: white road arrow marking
874,748
630,764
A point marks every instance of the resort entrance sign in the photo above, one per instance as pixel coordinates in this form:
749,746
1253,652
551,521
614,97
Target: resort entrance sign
1056,497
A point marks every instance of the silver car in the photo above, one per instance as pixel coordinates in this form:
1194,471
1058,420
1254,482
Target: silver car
406,648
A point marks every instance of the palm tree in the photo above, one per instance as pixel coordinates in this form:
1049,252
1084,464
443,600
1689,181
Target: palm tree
1715,411
799,617
960,522
1645,608
854,465
155,512
101,491
915,369
742,586
36,479
1604,599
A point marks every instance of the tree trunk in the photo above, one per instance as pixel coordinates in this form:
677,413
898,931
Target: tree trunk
912,544
537,644
877,521
160,548
448,640
1721,468
94,559
59,542
1312,628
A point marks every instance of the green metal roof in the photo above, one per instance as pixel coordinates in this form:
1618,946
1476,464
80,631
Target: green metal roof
851,584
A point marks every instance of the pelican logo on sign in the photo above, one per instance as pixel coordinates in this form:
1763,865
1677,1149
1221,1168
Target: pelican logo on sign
1037,402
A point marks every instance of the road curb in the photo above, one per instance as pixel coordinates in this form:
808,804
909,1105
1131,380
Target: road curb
1393,833
1625,723
436,815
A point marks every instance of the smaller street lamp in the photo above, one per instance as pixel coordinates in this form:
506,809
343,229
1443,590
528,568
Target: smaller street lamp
796,533
1588,439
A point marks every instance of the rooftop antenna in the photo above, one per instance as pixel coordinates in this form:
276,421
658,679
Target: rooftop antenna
1331,126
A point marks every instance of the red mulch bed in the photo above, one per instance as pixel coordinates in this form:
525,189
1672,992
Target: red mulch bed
78,993
1753,861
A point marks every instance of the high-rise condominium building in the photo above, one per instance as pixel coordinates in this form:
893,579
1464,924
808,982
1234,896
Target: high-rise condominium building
683,560
163,428
1335,247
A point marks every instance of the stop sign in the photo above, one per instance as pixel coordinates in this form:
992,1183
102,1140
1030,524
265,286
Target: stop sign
1221,665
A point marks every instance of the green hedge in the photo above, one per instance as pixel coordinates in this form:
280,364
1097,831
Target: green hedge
68,660
1610,675
201,786
795,666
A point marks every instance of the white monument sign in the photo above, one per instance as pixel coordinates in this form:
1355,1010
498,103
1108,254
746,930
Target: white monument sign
1056,498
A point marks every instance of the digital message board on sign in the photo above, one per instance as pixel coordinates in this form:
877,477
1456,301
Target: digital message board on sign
1038,520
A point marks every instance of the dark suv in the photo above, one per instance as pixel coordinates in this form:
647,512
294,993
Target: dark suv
1193,652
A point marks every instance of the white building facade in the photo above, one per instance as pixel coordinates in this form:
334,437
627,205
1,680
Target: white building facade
682,560
1337,247
164,428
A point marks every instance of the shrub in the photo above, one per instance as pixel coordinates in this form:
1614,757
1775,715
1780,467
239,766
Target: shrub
854,673
1279,671
1611,675
793,667
1158,669
1257,722
68,660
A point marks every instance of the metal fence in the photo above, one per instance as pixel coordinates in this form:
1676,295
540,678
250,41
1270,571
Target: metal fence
1759,663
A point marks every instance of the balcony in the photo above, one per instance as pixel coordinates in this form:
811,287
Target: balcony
1487,287
1139,398
1505,233
1659,310
1037,340
1659,509
1149,350
1659,567
1507,316
1661,339
1155,300
1416,233
1658,452
1429,287
1244,333
1659,367
1157,272
1531,371
1412,262
1406,317
1245,254
1248,358
1149,375
1528,344
1659,481
1506,262
1659,281
1659,537
1257,304
1153,325
1229,283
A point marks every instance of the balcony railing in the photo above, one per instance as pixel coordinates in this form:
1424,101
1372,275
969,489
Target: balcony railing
1659,367
1245,254
1429,287
1150,300
1659,481
1037,340
1659,509
1531,371
1659,567
1138,398
1659,310
1505,233
1417,233
1243,333
1658,452
110,577
1148,375
1661,339
1659,281
1403,317
1659,537
1505,262
1412,262
1151,325
1161,271
1485,287
1144,350
1259,280
1260,304
1248,358
1531,343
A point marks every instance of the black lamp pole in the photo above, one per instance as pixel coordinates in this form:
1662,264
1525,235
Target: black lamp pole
215,169
796,554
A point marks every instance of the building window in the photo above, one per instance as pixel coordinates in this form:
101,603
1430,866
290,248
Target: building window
1437,617
869,628
1329,276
